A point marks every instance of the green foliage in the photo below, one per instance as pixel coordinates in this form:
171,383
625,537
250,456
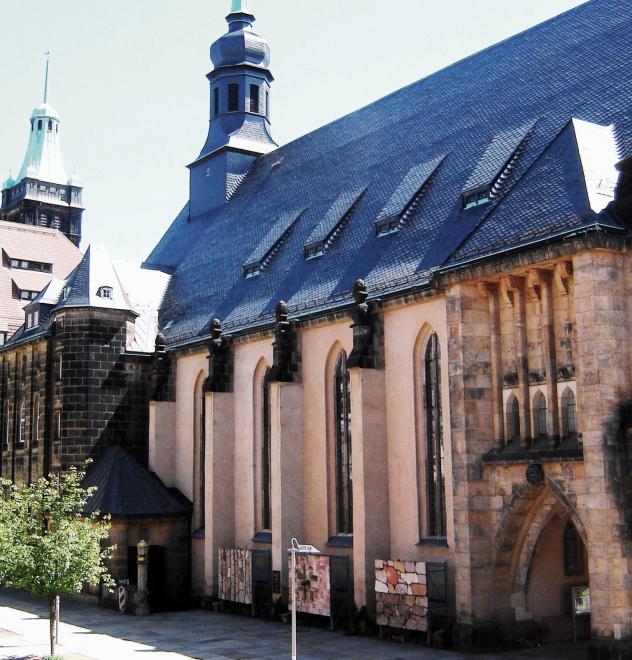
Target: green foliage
48,546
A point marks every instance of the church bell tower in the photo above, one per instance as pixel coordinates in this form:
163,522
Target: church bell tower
43,194
239,129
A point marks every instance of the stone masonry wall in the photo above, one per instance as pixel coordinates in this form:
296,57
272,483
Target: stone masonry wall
103,394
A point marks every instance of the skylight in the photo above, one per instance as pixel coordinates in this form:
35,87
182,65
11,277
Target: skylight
264,252
497,159
406,197
329,226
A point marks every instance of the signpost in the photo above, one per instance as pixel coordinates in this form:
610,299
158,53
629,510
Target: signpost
295,547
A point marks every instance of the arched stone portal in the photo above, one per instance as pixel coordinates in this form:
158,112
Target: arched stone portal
533,572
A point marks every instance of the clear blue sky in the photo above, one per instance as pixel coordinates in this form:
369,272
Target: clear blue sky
128,78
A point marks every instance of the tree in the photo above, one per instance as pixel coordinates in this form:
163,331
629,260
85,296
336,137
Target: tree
48,545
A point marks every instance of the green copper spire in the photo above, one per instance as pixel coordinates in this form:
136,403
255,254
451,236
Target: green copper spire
241,7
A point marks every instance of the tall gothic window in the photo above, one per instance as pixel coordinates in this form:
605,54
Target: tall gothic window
513,419
198,453
22,425
435,459
539,416
342,412
266,454
569,414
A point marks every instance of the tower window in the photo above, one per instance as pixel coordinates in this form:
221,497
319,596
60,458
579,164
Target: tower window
50,124
233,97
40,125
216,101
267,104
254,99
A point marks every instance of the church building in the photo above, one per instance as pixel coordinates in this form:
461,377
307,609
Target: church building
403,339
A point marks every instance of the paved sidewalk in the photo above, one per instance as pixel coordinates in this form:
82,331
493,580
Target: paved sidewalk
90,633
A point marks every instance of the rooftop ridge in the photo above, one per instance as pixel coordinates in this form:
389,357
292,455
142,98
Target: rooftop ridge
442,70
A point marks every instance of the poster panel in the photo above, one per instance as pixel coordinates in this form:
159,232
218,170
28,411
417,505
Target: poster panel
235,575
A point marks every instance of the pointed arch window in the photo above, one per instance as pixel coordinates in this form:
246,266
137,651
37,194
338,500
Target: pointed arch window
198,453
513,419
569,414
342,413
266,454
539,416
573,551
435,455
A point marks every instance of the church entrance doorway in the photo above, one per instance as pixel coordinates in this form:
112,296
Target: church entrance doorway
557,581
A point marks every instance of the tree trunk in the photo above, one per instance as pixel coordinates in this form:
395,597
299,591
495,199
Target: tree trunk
53,620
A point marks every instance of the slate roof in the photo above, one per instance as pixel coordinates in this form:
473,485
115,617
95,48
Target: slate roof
125,489
29,243
576,65
131,289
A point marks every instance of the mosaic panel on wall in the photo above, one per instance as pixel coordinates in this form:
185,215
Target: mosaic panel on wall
313,584
402,594
235,575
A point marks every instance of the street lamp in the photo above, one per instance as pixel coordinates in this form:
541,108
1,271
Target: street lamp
295,547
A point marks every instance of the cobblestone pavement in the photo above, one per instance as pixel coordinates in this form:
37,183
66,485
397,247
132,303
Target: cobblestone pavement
90,633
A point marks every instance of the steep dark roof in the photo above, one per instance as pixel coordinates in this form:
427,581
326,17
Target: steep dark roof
575,65
125,489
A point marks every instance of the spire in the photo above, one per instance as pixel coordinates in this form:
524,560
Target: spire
241,7
47,53
239,129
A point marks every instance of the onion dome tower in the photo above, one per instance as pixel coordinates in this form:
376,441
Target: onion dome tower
239,129
43,194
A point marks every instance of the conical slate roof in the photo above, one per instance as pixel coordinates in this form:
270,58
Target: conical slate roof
125,489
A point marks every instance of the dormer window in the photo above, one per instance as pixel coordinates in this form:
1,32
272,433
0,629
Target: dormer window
105,292
406,197
252,271
476,199
486,180
32,319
